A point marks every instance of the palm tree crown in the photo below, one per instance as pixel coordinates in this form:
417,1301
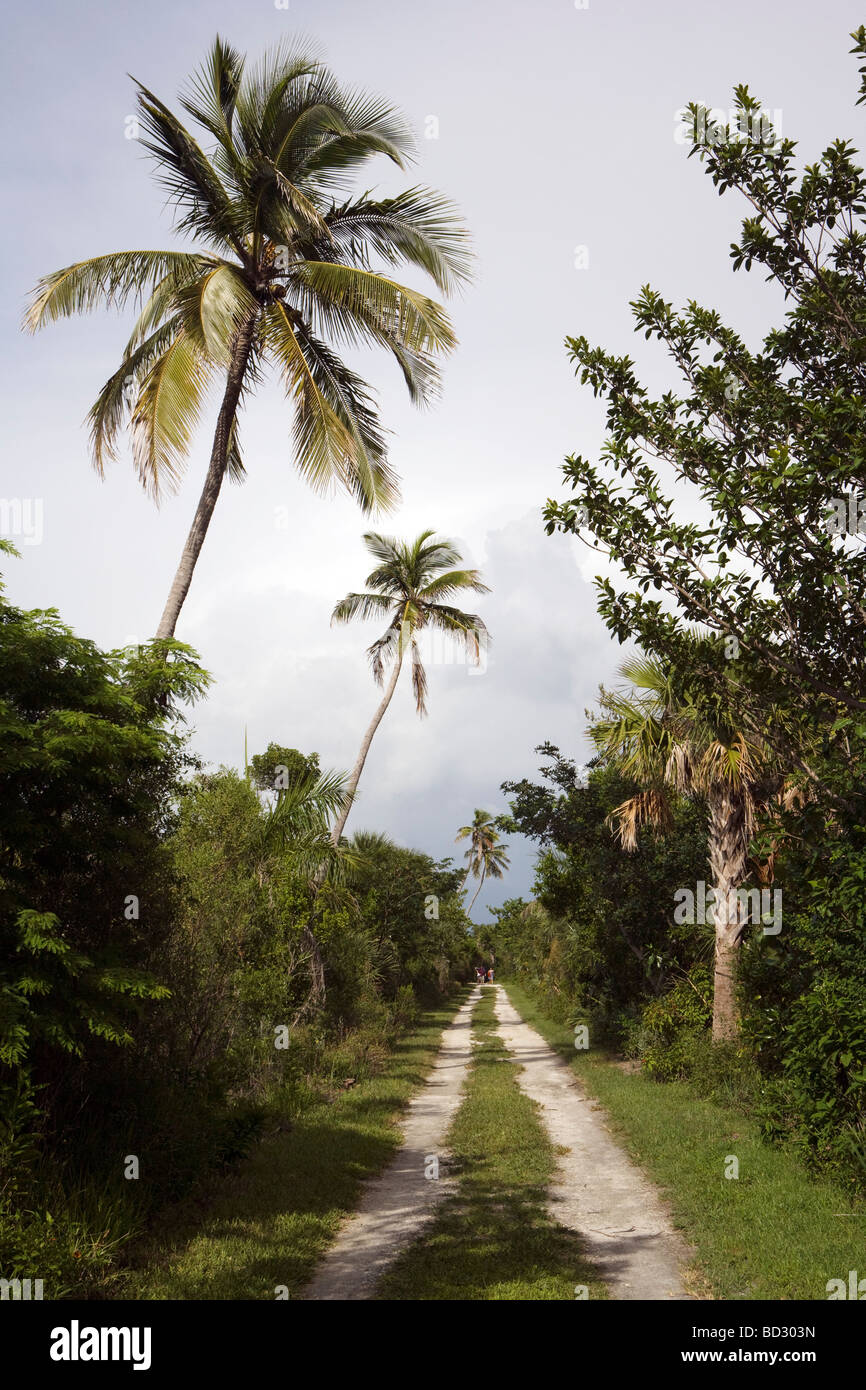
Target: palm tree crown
411,584
487,857
482,834
677,738
284,274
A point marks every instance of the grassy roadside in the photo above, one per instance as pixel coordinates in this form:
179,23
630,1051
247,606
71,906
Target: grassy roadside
266,1225
773,1233
493,1239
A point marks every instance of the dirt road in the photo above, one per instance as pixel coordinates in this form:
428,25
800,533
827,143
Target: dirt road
598,1191
396,1205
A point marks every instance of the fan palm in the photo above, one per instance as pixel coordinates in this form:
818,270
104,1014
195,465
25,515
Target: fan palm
412,583
283,274
668,738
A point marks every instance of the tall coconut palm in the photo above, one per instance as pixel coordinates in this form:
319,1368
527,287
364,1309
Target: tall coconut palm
670,738
487,858
283,274
481,833
411,584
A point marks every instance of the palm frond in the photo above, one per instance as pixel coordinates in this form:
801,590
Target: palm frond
453,582
114,403
680,766
468,627
649,807
214,89
189,178
388,647
419,680
736,762
336,432
234,459
374,126
355,305
417,227
363,606
213,308
105,282
166,413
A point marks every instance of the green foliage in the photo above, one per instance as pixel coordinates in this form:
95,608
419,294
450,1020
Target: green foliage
90,754
765,564
278,767
155,947
806,992
410,907
600,933
769,444
673,1024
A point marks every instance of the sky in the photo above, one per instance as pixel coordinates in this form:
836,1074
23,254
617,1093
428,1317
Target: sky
554,127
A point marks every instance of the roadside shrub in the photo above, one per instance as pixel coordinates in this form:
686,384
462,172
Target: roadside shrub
673,1025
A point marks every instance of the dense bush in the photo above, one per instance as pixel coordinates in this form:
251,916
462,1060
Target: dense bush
805,992
599,945
158,926
600,933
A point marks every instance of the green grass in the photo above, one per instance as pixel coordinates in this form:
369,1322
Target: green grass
494,1239
773,1233
267,1224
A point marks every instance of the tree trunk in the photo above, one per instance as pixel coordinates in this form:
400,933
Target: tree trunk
213,481
365,748
477,891
317,968
729,845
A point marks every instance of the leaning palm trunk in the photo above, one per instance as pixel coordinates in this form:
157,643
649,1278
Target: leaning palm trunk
477,891
729,842
213,482
365,748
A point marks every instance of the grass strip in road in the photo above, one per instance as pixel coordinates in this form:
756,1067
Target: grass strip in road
493,1239
265,1226
772,1232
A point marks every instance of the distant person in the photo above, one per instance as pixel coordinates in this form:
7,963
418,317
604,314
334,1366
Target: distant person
490,975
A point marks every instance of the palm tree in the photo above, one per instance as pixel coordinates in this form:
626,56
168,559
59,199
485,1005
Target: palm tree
487,857
667,737
482,834
411,583
283,274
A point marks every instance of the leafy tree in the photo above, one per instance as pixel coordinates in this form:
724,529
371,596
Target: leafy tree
283,274
91,753
805,989
411,585
410,905
241,951
599,936
278,767
768,444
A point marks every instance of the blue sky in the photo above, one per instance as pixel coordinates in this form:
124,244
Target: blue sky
555,133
